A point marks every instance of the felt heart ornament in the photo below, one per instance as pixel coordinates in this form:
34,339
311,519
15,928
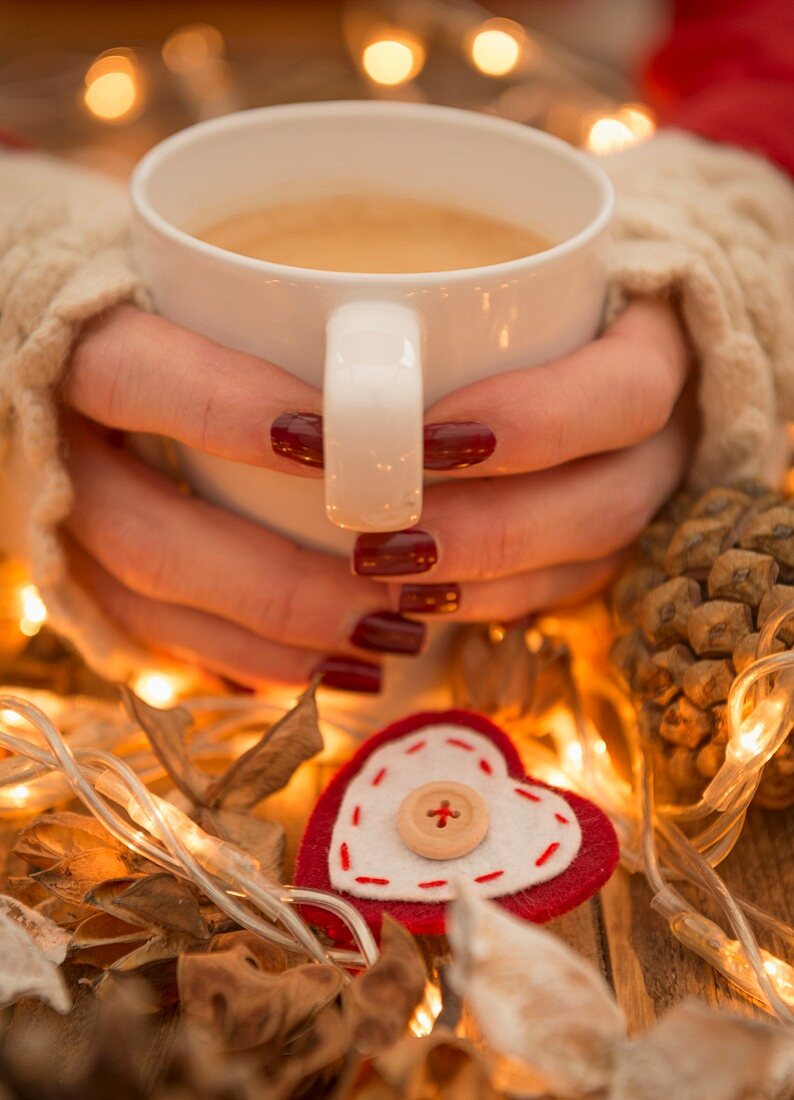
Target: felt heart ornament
443,796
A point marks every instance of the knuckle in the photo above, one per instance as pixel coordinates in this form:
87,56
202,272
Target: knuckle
139,552
274,607
626,513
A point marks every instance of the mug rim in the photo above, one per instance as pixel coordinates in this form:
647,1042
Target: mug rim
149,163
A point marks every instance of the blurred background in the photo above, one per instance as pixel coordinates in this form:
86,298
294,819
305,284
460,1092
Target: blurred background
103,81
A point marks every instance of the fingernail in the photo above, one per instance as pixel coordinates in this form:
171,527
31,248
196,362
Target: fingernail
393,553
299,437
348,674
429,599
388,632
456,445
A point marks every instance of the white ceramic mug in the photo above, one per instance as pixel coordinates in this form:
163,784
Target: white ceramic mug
382,347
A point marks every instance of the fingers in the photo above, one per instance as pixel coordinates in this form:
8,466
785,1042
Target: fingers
615,392
177,550
509,597
180,632
136,371
492,528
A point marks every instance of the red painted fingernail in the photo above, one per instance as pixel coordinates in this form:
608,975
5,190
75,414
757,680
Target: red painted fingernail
429,599
394,553
299,437
388,632
458,444
348,674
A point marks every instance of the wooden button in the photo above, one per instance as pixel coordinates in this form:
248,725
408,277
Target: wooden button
442,820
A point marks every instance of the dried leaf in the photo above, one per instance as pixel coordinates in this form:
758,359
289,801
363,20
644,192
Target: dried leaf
379,1003
103,895
74,877
262,839
47,936
157,949
268,766
25,970
227,990
66,914
162,901
439,1065
53,837
166,731
312,1060
101,929
264,955
697,1052
534,998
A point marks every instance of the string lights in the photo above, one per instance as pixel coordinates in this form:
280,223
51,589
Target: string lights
113,87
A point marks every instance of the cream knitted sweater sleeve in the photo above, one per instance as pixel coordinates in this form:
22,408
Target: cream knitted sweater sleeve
709,226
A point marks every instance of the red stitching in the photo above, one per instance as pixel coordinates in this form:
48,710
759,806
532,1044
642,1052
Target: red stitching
561,819
460,744
373,881
527,794
488,878
378,777
552,848
344,855
486,767
415,748
357,815
429,885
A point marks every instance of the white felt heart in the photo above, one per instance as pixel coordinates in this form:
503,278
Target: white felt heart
533,835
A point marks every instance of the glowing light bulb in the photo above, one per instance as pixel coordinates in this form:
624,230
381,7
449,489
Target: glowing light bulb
113,91
426,1012
33,612
497,46
155,688
393,60
629,125
19,795
189,48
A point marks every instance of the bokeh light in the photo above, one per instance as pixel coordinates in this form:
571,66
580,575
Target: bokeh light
33,613
496,47
629,125
189,48
156,688
113,87
393,60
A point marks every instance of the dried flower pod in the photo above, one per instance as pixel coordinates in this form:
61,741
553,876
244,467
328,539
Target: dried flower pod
653,542
716,628
710,758
676,660
708,682
684,724
667,610
720,726
696,545
772,532
721,503
631,589
631,655
742,575
781,594
683,773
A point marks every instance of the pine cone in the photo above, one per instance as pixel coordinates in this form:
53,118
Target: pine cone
706,575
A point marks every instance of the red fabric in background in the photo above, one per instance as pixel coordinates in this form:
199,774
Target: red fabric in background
727,73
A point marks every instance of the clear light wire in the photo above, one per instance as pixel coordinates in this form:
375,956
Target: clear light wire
220,869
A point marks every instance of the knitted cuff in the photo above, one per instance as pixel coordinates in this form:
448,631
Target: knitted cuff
63,260
713,228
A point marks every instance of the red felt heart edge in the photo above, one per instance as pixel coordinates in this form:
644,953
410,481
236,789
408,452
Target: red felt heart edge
592,867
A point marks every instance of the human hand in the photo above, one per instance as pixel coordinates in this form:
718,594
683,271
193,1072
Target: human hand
582,453
182,577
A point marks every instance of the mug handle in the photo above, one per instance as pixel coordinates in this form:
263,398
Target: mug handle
372,416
